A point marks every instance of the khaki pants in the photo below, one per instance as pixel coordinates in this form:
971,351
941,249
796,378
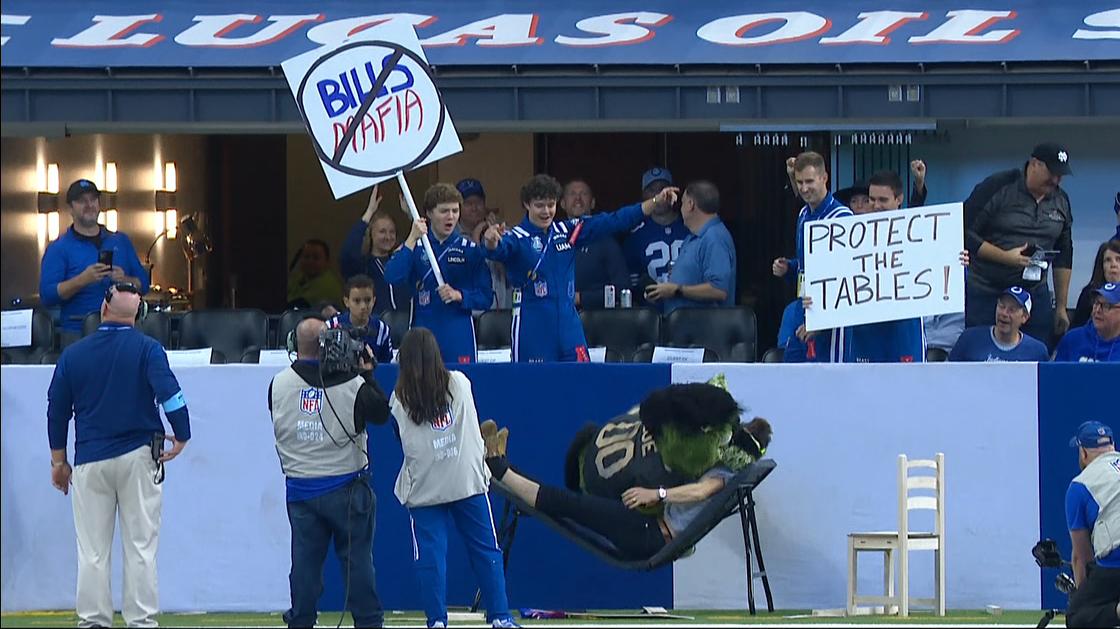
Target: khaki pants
103,489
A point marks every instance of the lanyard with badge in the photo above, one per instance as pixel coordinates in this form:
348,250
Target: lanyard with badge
540,288
425,296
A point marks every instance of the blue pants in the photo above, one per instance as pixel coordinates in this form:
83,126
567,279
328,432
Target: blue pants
548,330
454,335
475,522
345,515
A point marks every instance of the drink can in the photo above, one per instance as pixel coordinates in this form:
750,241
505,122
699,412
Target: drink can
608,296
627,298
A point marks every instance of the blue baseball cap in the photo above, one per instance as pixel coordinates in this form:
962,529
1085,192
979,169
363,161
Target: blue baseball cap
1021,295
470,188
656,174
1092,434
1110,292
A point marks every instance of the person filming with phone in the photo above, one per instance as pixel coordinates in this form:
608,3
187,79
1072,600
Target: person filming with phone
83,262
1017,229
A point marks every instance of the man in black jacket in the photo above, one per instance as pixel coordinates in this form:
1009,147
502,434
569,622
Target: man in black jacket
1017,226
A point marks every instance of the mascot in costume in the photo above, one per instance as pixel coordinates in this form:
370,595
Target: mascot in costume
675,436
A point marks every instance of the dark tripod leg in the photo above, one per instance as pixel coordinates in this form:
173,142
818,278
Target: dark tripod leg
746,548
758,552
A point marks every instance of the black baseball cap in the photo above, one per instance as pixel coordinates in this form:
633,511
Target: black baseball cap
1055,156
80,187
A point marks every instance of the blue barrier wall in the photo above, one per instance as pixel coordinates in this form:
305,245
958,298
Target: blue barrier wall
543,407
1068,394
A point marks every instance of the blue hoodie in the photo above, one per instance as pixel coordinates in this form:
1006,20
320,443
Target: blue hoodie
1084,345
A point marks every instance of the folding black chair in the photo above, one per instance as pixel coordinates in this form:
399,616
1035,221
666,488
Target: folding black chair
737,496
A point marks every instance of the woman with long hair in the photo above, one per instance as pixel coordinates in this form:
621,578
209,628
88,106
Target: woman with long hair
444,479
1106,268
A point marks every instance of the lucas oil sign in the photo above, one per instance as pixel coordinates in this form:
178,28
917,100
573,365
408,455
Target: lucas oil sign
371,107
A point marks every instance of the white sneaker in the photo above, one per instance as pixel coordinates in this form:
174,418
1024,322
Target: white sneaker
439,625
504,623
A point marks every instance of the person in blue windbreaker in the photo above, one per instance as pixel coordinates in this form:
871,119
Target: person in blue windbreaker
445,310
539,255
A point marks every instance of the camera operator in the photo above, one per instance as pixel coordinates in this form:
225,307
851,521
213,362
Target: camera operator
320,409
1093,516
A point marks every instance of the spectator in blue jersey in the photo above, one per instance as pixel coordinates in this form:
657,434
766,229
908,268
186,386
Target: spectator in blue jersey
1005,340
1106,268
360,299
651,248
474,219
599,263
811,178
1098,340
793,319
72,275
444,309
112,383
539,255
1093,518
366,250
704,273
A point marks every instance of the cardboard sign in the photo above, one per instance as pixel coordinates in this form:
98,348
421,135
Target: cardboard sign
504,355
189,357
884,266
15,328
678,354
276,357
371,106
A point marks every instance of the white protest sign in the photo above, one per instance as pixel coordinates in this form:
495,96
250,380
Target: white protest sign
884,266
371,106
189,357
15,328
678,354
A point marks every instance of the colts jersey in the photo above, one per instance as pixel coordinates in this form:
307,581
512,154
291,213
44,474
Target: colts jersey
623,455
651,250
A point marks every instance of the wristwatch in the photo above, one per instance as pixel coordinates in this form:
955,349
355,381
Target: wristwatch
662,494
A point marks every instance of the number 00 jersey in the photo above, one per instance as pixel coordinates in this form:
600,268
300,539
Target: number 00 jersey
623,455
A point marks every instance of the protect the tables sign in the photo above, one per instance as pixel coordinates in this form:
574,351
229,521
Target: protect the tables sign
884,266
371,107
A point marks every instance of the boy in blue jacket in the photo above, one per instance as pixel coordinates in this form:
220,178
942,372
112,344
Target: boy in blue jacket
1098,340
445,310
539,256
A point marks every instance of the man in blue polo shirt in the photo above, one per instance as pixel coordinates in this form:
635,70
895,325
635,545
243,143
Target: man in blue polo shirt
1005,340
704,273
111,382
1093,518
1099,339
72,273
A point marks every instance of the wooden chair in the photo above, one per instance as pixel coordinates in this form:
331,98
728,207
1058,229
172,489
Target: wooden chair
905,540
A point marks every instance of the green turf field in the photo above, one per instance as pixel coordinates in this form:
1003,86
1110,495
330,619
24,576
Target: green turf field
415,619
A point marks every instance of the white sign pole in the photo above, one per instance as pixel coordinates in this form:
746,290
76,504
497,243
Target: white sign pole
416,216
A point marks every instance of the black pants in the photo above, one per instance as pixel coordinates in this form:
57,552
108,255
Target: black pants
1093,604
635,535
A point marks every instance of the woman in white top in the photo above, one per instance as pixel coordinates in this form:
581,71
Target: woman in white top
444,478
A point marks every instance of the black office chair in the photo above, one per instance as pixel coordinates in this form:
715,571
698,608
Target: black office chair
231,333
494,329
286,323
729,332
399,322
774,355
936,355
156,325
42,340
623,330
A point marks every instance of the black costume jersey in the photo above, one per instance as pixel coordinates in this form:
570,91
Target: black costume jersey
623,455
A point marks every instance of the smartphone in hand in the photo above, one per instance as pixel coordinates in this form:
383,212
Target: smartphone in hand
105,256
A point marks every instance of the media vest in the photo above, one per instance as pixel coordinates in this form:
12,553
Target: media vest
1102,479
311,441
